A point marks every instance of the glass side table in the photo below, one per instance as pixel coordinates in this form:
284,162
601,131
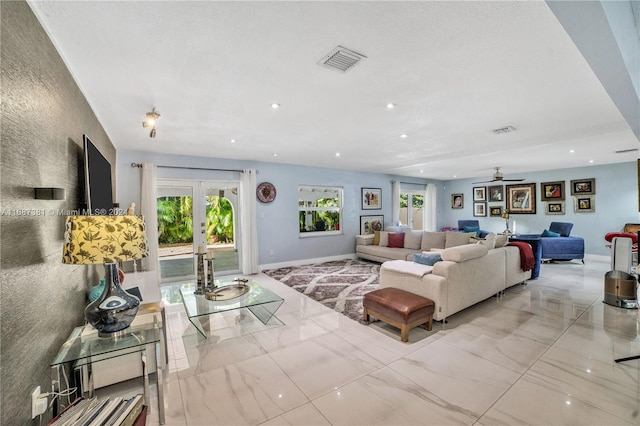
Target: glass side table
80,351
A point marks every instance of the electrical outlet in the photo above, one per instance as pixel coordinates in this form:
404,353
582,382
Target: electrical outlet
38,404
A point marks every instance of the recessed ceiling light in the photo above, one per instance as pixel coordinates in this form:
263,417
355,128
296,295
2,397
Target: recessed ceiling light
591,161
421,171
455,175
275,106
337,154
390,105
571,151
232,141
404,135
275,154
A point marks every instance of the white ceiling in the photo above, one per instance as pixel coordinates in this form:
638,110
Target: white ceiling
455,70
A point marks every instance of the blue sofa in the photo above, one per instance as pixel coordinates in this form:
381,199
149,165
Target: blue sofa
471,225
563,247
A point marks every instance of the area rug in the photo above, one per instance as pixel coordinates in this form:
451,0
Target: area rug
339,285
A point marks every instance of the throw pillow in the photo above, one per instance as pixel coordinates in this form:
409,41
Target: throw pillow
501,240
475,229
489,241
413,240
396,239
457,238
384,239
426,259
547,233
431,240
376,238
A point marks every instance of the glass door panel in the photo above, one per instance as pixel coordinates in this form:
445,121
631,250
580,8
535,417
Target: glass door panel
175,231
220,204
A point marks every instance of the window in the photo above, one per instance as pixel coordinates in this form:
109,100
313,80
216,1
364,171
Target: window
320,210
412,216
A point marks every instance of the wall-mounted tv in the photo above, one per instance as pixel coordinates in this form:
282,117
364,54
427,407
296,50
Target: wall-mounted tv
97,172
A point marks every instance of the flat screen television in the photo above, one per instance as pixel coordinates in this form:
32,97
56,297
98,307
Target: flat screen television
97,173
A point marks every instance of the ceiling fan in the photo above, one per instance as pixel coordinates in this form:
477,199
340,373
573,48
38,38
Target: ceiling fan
497,177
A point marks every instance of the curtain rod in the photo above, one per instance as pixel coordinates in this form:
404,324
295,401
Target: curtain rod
412,183
139,165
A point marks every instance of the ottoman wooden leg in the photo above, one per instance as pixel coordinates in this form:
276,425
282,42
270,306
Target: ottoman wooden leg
404,332
429,324
365,315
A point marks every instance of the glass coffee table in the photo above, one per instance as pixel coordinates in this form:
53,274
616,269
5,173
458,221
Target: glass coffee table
258,300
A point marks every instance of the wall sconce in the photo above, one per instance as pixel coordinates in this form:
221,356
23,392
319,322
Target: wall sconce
49,193
152,118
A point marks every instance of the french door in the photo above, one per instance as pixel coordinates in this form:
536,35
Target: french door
194,213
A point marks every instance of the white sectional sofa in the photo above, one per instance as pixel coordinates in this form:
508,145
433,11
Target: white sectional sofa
466,275
414,242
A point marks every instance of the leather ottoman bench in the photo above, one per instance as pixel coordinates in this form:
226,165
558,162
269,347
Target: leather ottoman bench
399,308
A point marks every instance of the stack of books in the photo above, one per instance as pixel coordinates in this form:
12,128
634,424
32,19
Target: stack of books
117,411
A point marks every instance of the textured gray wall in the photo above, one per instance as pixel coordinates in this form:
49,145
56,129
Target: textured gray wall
44,115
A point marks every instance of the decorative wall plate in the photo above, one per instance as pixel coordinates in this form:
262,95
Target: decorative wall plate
266,192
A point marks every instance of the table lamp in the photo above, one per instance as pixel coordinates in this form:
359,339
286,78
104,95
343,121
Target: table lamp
505,216
107,239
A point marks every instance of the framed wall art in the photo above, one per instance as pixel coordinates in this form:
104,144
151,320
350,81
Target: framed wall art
584,204
495,211
583,186
371,198
480,209
554,207
552,191
369,224
495,193
457,201
479,193
521,198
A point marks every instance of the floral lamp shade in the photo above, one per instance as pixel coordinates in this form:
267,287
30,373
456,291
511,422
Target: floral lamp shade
108,240
104,239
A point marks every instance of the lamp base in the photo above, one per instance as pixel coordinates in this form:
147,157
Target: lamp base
115,309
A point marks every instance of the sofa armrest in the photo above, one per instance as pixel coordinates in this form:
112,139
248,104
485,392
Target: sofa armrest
364,240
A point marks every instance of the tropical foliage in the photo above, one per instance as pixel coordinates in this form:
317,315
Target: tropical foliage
175,220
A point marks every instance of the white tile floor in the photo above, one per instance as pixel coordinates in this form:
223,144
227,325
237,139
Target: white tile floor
542,354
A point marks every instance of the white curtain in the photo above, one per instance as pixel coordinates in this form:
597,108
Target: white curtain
248,222
149,209
395,202
430,207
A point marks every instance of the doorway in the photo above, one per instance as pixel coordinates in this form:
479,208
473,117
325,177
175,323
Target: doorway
194,213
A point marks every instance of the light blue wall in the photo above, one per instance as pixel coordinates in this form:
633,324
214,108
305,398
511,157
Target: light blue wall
616,203
278,221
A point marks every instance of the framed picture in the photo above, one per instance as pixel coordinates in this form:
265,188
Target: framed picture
480,209
369,224
554,207
479,193
495,193
371,198
584,204
495,211
552,191
457,201
583,187
521,198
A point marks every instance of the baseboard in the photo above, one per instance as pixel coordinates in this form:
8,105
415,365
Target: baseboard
307,261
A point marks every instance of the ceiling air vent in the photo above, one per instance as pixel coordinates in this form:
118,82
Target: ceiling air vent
507,129
624,151
341,59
